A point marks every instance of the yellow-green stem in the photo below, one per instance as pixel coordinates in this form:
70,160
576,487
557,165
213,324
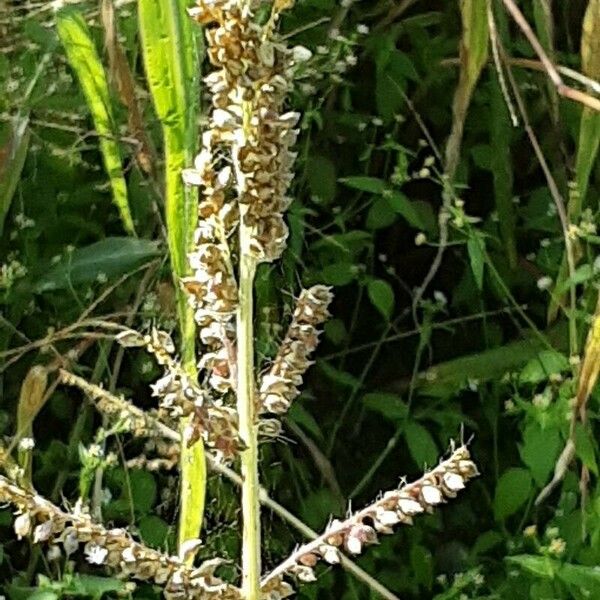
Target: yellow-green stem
248,424
248,433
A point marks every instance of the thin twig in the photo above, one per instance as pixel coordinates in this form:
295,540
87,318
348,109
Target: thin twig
555,193
552,72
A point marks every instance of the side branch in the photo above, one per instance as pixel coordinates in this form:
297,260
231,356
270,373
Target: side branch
395,507
111,547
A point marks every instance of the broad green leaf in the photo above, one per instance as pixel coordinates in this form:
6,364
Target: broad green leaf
477,258
104,260
486,541
539,451
301,416
421,445
350,243
143,490
12,159
388,405
540,566
381,295
341,377
365,184
585,578
585,448
338,274
380,214
83,58
43,595
546,363
421,562
404,207
581,275
512,492
335,331
96,586
154,531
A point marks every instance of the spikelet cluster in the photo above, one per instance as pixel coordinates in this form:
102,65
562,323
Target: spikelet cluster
280,385
180,396
243,170
362,529
114,548
248,86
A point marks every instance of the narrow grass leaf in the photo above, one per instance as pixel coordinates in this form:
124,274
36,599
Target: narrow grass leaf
477,258
101,261
588,142
473,56
12,158
84,60
170,52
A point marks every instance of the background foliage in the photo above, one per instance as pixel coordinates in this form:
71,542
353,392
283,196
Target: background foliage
414,356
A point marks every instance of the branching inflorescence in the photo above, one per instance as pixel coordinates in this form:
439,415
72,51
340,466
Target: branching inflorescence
243,173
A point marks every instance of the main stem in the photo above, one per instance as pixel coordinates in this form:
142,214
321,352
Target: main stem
247,423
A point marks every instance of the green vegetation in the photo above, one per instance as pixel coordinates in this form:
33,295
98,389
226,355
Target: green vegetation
445,188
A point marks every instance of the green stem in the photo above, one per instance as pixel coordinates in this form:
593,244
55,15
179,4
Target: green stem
247,423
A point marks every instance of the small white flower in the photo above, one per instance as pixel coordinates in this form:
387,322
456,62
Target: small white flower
409,507
42,532
377,122
353,545
544,283
96,450
420,239
301,54
545,243
26,444
330,555
431,495
440,297
351,60
96,555
127,555
473,384
101,278
424,173
22,525
362,29
454,482
429,161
